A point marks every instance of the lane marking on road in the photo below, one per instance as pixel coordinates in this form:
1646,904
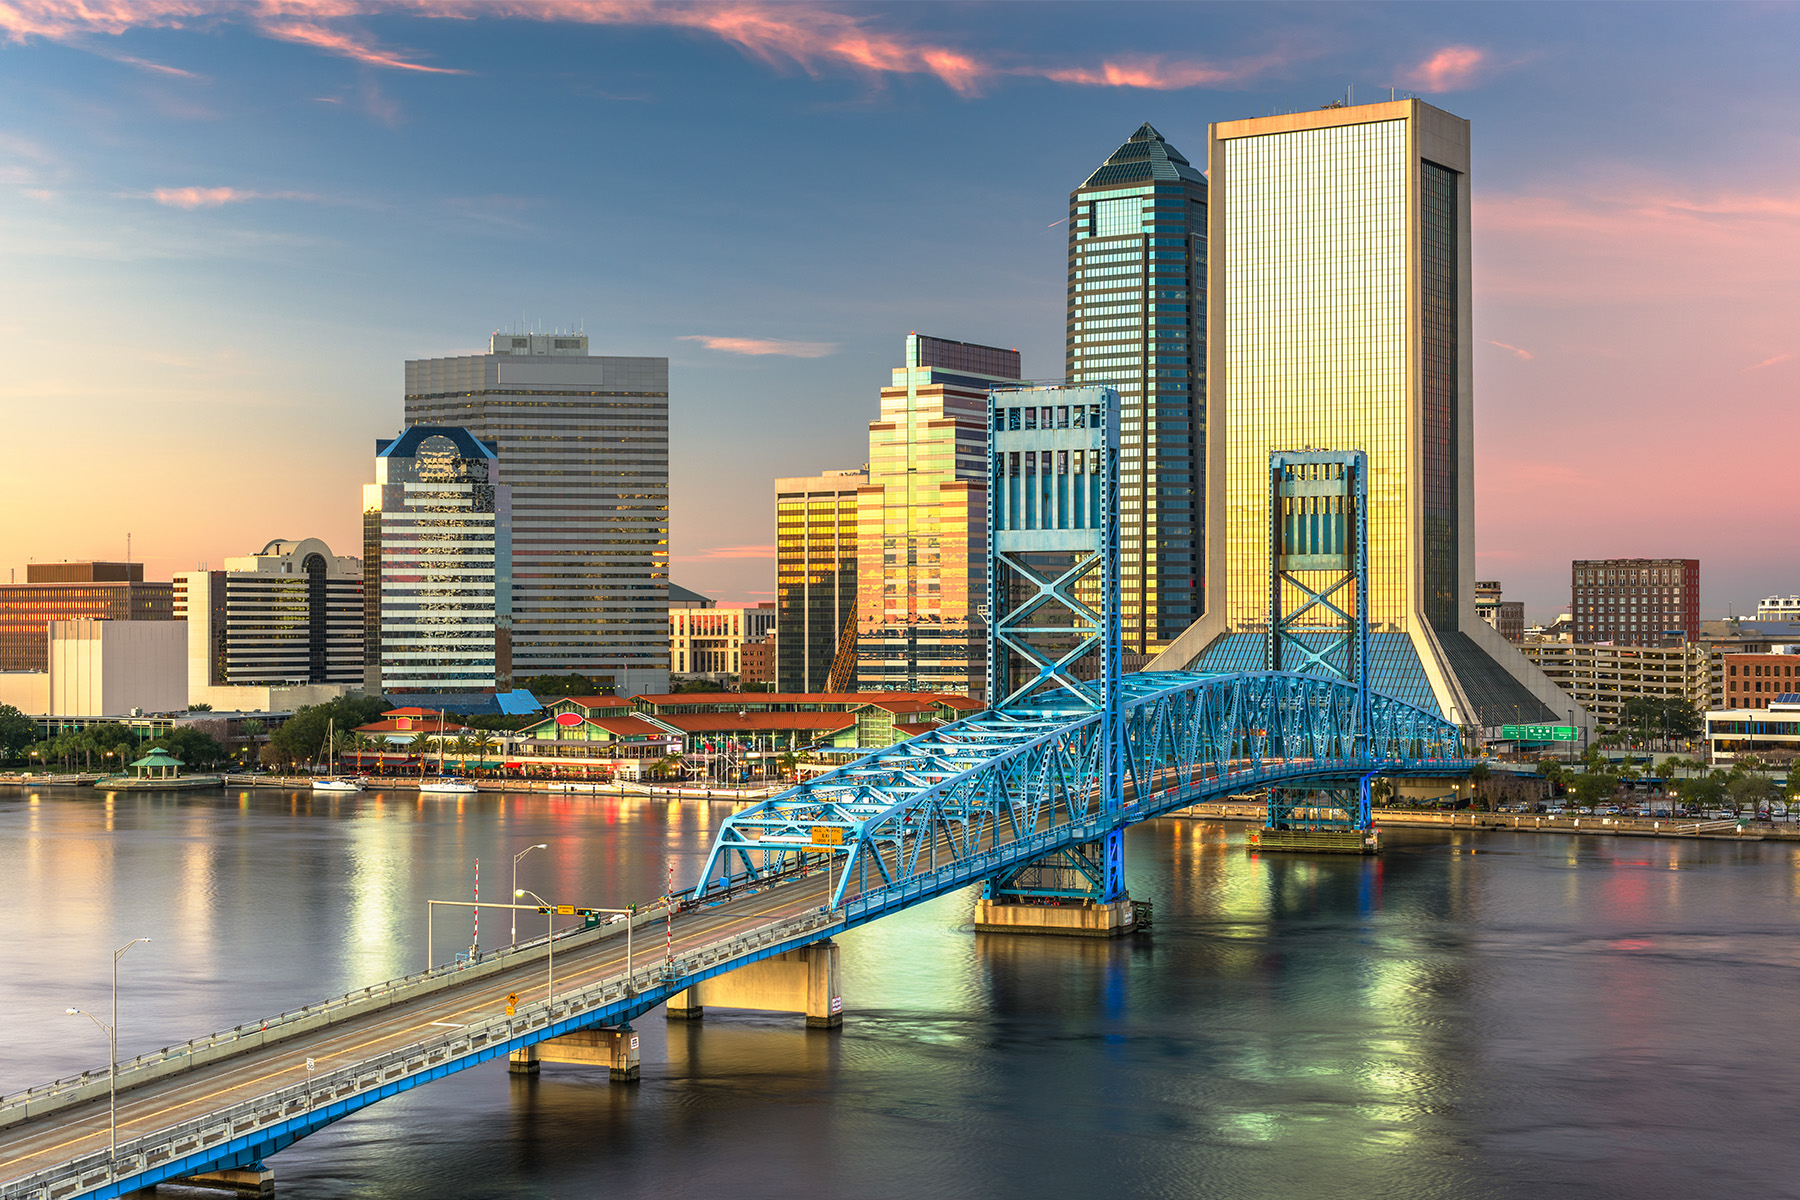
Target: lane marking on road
597,971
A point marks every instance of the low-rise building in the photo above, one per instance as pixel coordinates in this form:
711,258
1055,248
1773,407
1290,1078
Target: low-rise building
756,663
1603,679
1778,608
67,591
1771,730
1506,616
708,643
289,616
1751,681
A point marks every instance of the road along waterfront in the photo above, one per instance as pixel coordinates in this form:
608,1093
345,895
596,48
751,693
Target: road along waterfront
1474,1012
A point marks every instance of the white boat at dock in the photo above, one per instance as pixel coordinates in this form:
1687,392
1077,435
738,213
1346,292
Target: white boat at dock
449,785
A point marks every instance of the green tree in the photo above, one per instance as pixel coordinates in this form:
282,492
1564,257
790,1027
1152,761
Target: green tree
1478,776
301,735
572,684
1752,790
1681,721
483,743
1705,790
193,747
253,729
199,708
1591,787
18,733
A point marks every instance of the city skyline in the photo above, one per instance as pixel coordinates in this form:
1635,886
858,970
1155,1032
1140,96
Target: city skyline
141,199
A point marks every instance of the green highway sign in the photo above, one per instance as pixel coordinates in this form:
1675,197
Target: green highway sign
1537,733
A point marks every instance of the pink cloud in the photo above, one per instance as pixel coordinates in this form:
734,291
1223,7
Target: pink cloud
1512,350
1768,362
352,46
1152,73
739,345
808,36
718,553
1449,69
191,198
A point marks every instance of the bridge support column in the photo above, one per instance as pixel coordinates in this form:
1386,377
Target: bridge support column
523,1061
253,1180
1079,919
803,981
616,1049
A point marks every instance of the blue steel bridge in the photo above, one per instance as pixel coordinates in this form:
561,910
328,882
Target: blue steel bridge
1070,754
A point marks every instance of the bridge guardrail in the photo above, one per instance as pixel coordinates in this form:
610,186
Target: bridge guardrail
327,1090
239,1039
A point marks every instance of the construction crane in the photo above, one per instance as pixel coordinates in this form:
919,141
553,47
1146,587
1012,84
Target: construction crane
843,665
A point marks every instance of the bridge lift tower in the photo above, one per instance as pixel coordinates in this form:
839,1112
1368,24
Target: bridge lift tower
1053,632
1318,624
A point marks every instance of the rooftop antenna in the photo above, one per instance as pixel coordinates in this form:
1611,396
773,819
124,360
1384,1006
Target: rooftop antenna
128,548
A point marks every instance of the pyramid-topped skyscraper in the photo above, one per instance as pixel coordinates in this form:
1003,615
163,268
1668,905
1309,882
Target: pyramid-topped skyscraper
1137,322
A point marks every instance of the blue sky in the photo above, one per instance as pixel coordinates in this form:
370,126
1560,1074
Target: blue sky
223,228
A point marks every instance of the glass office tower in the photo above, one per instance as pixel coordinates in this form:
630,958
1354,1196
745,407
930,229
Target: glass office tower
815,577
1339,292
922,519
1137,322
437,565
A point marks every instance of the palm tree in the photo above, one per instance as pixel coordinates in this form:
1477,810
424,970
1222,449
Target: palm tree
482,743
253,729
419,744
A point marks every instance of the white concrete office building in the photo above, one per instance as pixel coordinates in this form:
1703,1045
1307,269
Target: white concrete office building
583,442
290,615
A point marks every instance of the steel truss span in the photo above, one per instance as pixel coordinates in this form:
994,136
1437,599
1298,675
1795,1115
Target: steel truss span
996,791
966,803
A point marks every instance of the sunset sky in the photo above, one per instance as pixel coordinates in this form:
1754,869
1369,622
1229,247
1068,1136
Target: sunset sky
224,227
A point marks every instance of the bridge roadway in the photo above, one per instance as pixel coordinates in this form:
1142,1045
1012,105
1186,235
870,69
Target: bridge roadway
75,1132
931,816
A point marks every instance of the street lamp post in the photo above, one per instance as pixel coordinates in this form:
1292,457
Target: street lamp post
549,940
112,1043
516,858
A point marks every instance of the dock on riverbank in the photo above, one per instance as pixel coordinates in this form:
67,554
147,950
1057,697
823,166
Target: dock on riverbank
1659,827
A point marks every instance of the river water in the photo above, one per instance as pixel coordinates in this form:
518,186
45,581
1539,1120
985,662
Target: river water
1471,1015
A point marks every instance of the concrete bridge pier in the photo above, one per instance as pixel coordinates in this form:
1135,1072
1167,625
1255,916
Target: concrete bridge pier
615,1048
1085,918
802,981
253,1180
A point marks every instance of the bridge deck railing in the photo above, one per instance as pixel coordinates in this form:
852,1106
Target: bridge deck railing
167,1152
44,1097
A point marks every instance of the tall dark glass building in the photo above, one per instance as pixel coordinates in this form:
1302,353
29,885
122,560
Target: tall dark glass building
1137,322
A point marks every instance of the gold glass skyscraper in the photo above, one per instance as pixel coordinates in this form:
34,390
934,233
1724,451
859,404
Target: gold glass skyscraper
923,521
1338,318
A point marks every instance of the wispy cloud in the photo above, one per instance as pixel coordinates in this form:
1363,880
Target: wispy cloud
1154,73
214,197
1515,351
740,345
1450,69
345,43
810,37
1768,362
721,553
144,64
